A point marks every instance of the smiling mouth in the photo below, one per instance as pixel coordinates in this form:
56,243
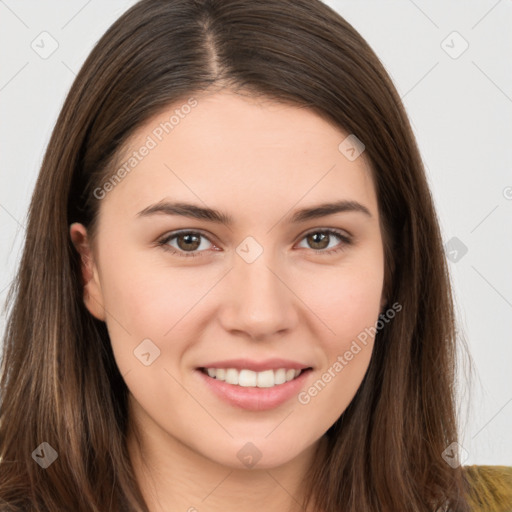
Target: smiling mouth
249,378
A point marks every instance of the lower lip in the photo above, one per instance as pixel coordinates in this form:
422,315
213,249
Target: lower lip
254,398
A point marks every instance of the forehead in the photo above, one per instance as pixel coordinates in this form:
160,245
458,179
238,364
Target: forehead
240,154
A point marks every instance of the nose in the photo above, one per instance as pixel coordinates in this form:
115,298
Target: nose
258,301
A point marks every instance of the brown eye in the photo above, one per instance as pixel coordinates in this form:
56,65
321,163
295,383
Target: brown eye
320,240
187,243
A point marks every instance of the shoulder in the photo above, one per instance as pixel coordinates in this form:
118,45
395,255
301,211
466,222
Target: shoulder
489,488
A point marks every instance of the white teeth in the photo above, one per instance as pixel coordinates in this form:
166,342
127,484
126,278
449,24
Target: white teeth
280,376
232,376
249,378
266,379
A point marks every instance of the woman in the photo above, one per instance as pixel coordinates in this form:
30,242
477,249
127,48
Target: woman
260,366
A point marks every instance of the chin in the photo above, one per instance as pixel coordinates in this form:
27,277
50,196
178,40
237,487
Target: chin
253,452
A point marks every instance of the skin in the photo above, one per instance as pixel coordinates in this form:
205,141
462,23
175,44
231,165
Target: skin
259,161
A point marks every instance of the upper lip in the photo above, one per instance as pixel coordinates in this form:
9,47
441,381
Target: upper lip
257,366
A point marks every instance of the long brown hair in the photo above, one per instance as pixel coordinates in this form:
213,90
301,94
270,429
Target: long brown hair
60,383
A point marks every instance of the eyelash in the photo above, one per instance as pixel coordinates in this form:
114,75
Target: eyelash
163,243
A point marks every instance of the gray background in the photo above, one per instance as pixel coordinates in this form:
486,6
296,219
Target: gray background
461,110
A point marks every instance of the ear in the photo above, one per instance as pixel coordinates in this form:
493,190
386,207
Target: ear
93,297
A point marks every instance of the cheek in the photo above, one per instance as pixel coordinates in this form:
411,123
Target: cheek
326,397
348,303
350,307
150,302
347,300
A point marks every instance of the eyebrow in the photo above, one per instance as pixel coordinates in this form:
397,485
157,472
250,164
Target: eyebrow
209,214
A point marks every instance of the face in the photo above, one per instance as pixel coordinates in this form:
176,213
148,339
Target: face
236,330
